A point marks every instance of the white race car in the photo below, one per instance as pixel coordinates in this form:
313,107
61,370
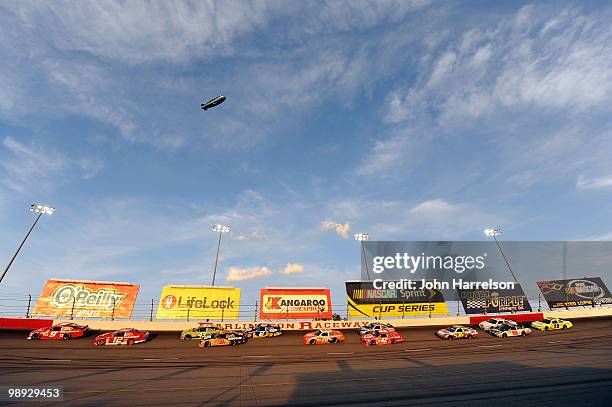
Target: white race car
495,322
374,326
505,331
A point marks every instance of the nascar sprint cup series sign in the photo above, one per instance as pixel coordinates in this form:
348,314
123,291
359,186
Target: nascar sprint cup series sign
364,300
295,303
199,302
86,299
575,293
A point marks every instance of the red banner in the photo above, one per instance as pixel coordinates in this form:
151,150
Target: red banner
295,303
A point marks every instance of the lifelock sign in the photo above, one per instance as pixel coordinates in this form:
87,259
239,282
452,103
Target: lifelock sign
199,302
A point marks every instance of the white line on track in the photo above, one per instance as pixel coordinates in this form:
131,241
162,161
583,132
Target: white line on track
339,353
52,360
488,346
417,350
160,358
555,341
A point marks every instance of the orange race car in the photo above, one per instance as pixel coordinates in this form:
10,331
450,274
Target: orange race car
323,336
381,337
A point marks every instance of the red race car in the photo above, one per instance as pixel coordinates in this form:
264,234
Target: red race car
65,330
125,336
322,336
381,337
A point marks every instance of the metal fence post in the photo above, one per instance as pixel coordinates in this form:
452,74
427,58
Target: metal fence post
188,309
222,314
539,302
29,303
151,315
113,311
73,304
458,306
255,319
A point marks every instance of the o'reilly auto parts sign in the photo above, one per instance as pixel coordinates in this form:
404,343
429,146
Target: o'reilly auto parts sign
575,293
295,303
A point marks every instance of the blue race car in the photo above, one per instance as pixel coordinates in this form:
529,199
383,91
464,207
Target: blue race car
263,331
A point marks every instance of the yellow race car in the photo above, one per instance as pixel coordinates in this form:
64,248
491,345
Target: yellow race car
549,324
222,339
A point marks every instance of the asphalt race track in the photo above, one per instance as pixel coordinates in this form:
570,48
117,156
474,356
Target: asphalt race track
572,367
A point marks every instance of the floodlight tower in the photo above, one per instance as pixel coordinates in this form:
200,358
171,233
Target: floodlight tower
40,210
362,237
221,229
494,233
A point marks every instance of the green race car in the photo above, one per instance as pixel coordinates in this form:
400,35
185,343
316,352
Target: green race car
549,324
200,332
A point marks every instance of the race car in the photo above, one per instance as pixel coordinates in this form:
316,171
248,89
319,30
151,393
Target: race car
504,331
263,331
125,336
222,339
323,336
201,331
495,322
549,324
374,326
381,337
457,331
64,331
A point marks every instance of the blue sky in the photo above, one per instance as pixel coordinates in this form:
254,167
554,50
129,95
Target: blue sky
409,120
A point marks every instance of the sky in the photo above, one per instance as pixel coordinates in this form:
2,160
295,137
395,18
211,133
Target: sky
407,120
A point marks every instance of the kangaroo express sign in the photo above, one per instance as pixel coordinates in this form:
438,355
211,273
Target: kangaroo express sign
295,303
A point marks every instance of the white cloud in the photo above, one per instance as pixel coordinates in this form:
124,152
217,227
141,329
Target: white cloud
594,183
34,168
341,229
292,268
249,273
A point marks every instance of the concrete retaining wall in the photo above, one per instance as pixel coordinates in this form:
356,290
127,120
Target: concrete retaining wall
160,326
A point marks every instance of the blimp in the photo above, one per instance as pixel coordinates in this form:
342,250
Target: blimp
213,102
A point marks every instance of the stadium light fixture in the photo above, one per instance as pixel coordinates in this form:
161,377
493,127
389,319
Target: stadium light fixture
494,232
40,210
221,229
362,237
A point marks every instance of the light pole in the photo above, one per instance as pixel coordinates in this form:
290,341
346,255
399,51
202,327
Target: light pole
494,233
40,210
362,237
221,229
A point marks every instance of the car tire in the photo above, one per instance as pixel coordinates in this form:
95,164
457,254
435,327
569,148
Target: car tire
312,342
392,341
187,337
66,336
100,342
564,326
449,338
130,341
504,335
207,344
333,340
35,336
546,328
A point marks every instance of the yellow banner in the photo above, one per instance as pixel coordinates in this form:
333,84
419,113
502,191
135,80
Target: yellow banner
396,310
199,302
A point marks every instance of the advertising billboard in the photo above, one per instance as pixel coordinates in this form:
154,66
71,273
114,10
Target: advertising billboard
198,302
494,301
575,293
295,303
366,301
86,299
